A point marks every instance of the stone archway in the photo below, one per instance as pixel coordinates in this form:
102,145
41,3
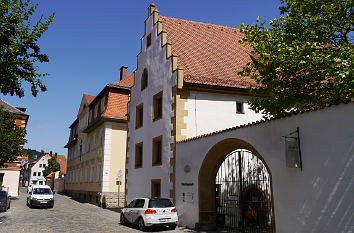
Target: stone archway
208,171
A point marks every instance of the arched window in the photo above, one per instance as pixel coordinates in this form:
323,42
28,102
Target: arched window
144,79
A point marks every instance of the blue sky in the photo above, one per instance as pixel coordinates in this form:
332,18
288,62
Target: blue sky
90,40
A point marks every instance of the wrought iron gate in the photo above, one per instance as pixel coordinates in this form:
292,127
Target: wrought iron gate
243,195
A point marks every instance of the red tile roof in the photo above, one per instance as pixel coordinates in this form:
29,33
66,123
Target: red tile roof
117,101
89,98
127,82
210,54
116,104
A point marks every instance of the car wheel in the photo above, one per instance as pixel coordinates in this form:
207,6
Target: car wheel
172,227
9,207
141,224
122,219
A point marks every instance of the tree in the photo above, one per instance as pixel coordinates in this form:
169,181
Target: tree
19,50
304,59
53,166
32,154
11,137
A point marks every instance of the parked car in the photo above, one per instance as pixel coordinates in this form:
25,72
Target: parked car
40,195
5,200
146,212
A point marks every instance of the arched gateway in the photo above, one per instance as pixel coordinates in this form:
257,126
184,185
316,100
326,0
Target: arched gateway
235,191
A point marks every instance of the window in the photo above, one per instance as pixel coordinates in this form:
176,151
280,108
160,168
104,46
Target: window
82,175
34,173
157,151
91,173
144,79
139,203
156,188
86,174
139,155
98,174
40,182
157,106
40,165
239,108
148,41
2,178
39,174
139,116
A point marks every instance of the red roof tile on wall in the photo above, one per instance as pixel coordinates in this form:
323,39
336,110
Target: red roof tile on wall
61,159
210,54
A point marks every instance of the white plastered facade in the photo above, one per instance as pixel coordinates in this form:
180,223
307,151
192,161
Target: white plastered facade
317,199
160,78
206,112
209,112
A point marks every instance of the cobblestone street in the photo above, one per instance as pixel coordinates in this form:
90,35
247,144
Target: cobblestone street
66,216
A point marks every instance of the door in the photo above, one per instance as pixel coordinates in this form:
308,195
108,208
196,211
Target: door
243,195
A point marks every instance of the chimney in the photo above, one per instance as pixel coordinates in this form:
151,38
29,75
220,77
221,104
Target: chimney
56,154
123,72
51,153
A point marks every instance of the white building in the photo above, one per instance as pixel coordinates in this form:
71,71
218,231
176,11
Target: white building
36,170
9,179
186,84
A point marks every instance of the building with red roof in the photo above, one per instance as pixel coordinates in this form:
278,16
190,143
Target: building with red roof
97,144
186,84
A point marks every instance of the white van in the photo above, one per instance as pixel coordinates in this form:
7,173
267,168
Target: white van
40,195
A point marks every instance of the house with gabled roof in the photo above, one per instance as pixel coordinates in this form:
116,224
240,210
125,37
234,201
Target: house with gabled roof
97,144
186,84
11,174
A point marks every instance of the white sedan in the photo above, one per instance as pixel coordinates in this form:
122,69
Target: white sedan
146,212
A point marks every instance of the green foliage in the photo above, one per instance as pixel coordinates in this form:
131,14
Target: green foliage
19,50
11,137
304,59
32,154
53,166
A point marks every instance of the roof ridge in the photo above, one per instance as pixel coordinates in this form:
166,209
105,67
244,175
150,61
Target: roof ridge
198,22
13,108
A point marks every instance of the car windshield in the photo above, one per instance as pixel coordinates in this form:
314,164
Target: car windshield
160,203
3,194
42,191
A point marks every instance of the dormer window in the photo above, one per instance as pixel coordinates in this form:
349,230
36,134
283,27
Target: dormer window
148,41
144,79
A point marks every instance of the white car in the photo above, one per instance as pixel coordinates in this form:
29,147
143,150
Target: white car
40,195
146,212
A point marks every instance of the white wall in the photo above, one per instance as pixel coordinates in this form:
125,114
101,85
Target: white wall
317,199
160,78
209,112
11,180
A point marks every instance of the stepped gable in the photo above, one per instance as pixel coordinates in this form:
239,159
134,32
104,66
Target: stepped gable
210,54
